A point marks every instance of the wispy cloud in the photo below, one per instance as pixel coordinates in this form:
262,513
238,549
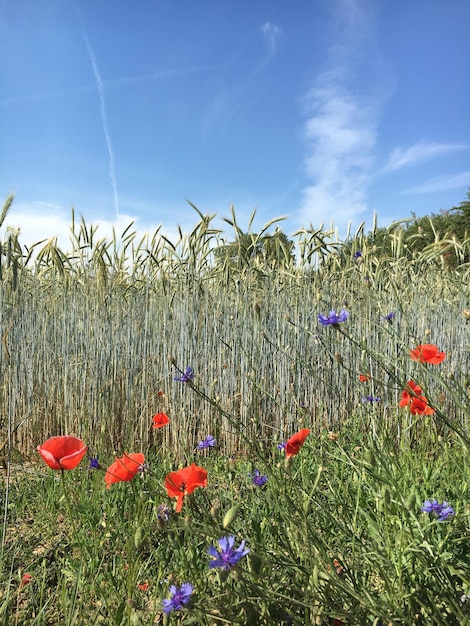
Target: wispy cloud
419,152
234,97
442,183
271,34
341,130
104,121
113,83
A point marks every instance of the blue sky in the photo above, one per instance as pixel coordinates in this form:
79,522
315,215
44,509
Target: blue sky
318,110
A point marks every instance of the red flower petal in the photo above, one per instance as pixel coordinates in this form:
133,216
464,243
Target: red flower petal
124,468
185,481
411,391
62,452
420,406
25,580
427,353
160,419
294,444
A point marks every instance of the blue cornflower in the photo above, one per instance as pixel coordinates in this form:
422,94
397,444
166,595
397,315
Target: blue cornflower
186,377
179,598
357,254
94,463
441,511
389,317
333,318
163,513
282,446
258,479
208,442
228,556
370,399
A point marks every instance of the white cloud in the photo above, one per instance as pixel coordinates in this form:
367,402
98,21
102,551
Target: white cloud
271,33
37,222
442,183
40,221
340,137
419,152
341,130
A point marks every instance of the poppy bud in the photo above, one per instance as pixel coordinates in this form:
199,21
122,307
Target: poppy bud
139,537
230,515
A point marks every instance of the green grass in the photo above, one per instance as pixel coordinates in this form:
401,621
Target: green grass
356,500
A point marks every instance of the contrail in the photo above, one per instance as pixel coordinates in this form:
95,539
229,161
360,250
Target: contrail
104,121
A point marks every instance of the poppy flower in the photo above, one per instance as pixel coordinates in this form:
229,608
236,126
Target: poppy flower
412,396
411,391
427,353
294,444
185,481
124,468
363,378
62,453
160,419
420,406
25,580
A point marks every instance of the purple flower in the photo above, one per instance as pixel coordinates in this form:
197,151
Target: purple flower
228,556
208,442
186,377
282,446
388,318
163,513
441,511
357,254
94,463
258,479
179,598
370,399
333,318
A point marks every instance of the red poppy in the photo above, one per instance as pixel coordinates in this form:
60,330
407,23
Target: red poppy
124,468
143,586
412,390
62,453
294,444
363,378
427,353
25,580
160,419
420,406
185,481
412,396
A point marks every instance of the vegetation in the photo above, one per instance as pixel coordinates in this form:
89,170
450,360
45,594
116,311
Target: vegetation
222,334
445,234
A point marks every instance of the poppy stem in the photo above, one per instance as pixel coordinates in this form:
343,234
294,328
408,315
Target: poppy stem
68,503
